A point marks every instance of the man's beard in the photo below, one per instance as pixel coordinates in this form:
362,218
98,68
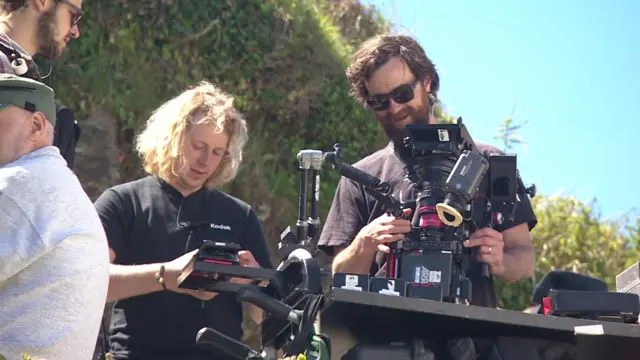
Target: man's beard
47,44
395,130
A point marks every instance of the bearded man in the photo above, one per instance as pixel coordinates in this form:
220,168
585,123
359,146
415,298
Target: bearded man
43,27
29,27
392,76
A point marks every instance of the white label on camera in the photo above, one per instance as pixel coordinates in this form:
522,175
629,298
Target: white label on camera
351,280
390,290
443,134
588,330
351,283
435,276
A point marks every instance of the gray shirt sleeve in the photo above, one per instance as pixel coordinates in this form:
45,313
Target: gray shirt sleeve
20,242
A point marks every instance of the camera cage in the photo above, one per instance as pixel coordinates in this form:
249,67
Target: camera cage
433,153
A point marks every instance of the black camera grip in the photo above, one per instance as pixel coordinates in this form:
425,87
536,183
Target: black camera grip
265,302
358,176
484,270
208,337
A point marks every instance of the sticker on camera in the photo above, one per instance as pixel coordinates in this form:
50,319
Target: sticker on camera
351,283
443,134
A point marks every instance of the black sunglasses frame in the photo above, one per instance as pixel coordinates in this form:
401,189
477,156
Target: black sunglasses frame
401,95
78,13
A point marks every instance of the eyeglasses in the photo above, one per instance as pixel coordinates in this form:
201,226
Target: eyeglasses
77,12
401,95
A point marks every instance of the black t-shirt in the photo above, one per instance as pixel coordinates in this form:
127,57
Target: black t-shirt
141,220
353,208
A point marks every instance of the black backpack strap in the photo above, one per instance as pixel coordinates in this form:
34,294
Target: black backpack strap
12,55
66,134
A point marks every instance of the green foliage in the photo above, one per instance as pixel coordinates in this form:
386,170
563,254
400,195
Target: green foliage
570,235
507,133
283,60
442,116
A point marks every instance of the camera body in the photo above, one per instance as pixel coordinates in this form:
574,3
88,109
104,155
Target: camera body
455,191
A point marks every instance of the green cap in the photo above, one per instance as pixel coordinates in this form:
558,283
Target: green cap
28,94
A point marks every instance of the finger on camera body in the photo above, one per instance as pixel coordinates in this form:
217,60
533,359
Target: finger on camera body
390,238
398,229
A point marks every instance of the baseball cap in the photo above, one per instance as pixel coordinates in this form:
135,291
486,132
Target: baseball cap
28,94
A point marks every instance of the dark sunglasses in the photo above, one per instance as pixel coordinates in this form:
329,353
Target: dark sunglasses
401,95
77,12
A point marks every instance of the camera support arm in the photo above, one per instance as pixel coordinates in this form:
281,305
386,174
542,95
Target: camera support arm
309,229
380,190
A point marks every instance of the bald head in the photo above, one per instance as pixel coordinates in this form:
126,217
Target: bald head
22,132
27,116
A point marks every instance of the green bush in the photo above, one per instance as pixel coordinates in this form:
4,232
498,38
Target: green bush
570,235
283,60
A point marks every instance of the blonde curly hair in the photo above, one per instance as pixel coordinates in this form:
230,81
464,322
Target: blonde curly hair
162,138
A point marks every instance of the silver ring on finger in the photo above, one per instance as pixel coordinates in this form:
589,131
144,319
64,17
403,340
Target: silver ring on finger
490,249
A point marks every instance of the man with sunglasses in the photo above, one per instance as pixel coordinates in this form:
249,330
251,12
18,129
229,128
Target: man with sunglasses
392,76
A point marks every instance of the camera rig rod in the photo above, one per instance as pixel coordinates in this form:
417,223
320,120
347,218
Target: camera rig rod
308,230
380,190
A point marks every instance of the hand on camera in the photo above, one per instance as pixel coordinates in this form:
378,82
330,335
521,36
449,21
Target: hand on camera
383,230
246,259
172,271
490,246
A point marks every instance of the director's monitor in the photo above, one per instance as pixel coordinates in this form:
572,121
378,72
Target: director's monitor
427,139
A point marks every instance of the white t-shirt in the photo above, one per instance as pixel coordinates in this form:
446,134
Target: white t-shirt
54,261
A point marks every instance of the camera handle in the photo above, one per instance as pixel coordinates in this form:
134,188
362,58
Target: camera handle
375,187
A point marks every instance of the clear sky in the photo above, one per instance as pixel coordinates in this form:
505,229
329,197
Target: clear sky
571,68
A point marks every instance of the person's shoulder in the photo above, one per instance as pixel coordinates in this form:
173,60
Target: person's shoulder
374,160
230,202
41,173
487,149
130,187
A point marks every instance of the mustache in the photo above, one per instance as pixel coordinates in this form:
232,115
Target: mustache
399,116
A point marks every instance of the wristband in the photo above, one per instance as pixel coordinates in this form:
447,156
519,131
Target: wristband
160,277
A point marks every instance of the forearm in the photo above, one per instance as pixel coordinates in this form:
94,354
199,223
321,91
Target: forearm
255,313
519,263
354,259
129,281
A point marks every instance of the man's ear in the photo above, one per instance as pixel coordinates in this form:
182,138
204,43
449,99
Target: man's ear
41,5
38,125
427,85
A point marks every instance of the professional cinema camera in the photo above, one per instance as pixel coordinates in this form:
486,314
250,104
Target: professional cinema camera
457,190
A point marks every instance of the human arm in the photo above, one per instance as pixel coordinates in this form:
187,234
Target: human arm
343,223
508,249
354,243
126,281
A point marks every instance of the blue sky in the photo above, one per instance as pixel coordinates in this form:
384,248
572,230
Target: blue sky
568,67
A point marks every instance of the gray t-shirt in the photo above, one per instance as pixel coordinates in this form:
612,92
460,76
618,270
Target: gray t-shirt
54,261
